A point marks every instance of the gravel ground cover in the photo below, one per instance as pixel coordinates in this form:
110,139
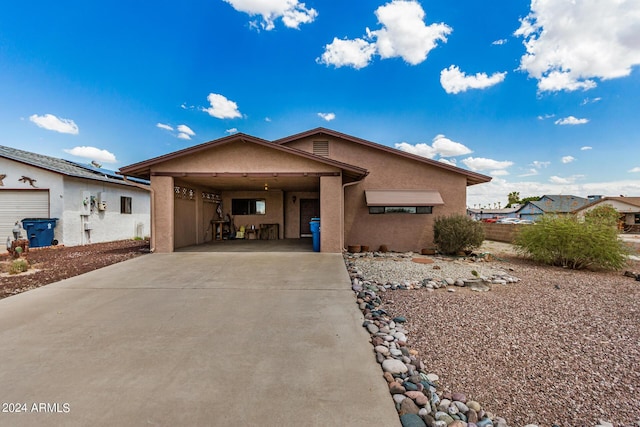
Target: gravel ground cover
55,263
559,347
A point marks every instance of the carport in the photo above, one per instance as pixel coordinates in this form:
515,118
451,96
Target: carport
243,181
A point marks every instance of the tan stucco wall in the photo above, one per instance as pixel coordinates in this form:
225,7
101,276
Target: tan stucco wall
162,239
242,157
292,212
273,211
401,232
330,214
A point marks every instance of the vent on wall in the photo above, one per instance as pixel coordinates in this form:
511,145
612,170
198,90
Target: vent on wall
321,148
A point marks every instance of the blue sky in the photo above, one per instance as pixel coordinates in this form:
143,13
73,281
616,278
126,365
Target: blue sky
543,96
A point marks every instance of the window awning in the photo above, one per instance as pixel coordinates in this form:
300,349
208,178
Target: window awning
403,198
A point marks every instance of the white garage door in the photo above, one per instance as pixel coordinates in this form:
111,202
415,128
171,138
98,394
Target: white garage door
18,204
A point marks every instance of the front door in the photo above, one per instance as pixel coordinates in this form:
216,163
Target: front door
309,208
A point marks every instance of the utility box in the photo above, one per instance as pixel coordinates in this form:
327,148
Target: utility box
85,203
87,226
40,231
102,201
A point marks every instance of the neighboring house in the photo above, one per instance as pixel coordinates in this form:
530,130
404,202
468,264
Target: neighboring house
551,204
629,208
92,205
480,214
364,193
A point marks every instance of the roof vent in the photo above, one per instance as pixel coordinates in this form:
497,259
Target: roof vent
321,148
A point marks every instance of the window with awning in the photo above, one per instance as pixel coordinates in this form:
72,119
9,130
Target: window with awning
402,201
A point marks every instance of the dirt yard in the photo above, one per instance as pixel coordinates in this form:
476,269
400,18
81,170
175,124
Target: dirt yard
56,263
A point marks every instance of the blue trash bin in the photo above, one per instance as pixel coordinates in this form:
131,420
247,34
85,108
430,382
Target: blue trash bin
315,233
40,231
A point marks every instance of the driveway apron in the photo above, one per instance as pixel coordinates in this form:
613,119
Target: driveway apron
197,339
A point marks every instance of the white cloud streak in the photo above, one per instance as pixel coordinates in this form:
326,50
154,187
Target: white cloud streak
571,121
585,148
291,12
92,153
635,170
570,44
455,81
568,159
482,164
164,126
51,122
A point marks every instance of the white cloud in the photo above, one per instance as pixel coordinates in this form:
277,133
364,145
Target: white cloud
183,135
441,145
546,116
292,12
531,172
568,159
164,126
571,121
571,43
499,42
634,170
347,53
481,163
446,161
404,34
232,130
539,165
221,107
585,148
499,172
92,153
267,119
590,100
186,129
454,81
327,116
51,122
568,180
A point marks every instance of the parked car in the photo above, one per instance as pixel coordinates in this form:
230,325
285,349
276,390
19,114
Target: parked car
508,221
525,221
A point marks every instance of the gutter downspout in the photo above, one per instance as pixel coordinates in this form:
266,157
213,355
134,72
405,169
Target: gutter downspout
349,184
152,193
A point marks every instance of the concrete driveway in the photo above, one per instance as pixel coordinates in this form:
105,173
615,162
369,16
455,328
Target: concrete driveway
193,339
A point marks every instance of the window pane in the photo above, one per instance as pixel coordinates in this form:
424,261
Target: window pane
424,209
261,207
248,206
376,209
400,209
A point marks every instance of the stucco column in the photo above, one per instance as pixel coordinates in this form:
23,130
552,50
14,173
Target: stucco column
163,213
330,213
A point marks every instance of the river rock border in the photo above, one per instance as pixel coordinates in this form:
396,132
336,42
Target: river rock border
418,397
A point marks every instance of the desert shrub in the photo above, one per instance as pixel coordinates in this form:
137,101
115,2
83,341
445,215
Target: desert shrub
604,214
566,242
456,233
18,266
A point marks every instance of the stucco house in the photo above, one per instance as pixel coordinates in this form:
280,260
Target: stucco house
556,204
629,208
364,193
91,204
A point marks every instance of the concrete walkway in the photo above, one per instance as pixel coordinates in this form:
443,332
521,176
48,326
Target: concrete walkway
193,339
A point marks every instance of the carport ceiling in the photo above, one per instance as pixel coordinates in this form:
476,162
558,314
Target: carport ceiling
252,183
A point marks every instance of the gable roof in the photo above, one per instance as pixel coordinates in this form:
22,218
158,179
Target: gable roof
61,166
472,177
143,169
632,201
558,203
